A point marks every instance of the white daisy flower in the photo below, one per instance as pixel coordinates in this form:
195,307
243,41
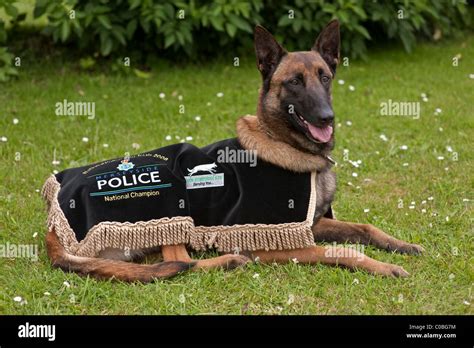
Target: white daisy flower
189,138
341,82
383,137
404,147
220,95
162,95
355,164
197,118
366,210
291,299
85,139
16,121
4,139
168,137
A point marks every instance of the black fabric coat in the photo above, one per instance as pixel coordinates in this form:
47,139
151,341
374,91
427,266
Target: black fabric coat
171,181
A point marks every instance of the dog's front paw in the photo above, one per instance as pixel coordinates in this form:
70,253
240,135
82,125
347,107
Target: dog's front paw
390,270
411,249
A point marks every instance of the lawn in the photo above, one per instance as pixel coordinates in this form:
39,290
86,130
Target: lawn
414,180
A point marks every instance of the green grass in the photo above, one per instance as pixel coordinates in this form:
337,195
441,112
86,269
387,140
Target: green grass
129,111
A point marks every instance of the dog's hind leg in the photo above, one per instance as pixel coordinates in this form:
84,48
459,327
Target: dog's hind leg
110,269
329,230
179,253
336,256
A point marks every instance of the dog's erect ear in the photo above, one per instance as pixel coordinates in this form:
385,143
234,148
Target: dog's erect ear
328,44
269,52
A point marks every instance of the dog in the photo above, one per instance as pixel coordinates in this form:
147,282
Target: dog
294,127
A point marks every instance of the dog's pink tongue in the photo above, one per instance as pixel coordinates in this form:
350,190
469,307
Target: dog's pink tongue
321,134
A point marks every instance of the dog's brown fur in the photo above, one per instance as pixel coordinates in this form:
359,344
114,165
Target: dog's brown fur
278,142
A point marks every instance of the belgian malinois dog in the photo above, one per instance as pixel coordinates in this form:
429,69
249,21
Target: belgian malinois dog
294,127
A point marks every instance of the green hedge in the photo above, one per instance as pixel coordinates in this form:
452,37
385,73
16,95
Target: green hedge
205,26
200,28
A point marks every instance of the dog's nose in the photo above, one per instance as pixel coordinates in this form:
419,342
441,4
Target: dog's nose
326,116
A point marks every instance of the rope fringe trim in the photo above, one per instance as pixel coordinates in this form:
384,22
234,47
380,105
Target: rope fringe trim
177,230
251,237
122,235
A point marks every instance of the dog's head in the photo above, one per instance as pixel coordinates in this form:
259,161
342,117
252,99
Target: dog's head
295,100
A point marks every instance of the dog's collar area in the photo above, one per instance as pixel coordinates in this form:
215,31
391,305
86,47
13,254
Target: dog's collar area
327,157
330,159
252,136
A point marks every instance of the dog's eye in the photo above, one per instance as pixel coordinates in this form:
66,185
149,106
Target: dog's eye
295,82
325,79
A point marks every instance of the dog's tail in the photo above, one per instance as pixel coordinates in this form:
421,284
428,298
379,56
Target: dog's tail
106,269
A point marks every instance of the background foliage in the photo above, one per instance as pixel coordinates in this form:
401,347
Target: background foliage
178,28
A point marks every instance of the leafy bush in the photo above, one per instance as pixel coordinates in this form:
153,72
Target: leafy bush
112,26
7,69
362,21
202,26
